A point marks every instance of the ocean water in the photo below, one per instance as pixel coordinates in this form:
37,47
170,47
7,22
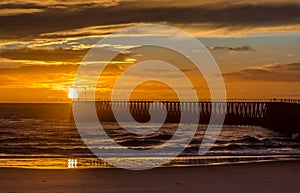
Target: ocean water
44,136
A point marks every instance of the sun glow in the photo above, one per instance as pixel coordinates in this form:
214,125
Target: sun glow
72,93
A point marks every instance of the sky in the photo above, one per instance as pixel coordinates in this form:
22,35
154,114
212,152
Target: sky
256,45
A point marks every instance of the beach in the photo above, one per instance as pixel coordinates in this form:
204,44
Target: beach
273,177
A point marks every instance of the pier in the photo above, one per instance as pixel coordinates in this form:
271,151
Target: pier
278,114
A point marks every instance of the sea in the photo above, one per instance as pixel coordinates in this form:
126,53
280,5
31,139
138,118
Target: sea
44,135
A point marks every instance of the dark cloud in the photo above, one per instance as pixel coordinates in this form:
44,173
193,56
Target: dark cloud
294,66
234,16
242,48
39,69
43,54
22,6
61,55
55,5
277,72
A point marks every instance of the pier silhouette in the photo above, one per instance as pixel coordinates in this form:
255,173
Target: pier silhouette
282,115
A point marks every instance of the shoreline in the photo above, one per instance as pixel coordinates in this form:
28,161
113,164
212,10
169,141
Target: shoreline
97,163
280,176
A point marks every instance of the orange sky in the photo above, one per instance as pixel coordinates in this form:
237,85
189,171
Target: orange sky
258,57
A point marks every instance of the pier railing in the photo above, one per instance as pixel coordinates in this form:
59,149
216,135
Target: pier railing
296,101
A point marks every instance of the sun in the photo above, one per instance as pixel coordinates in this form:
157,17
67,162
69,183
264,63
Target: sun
72,93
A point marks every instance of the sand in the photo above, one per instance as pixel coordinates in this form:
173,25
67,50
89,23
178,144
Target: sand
255,177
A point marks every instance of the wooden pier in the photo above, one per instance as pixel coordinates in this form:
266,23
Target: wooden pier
279,114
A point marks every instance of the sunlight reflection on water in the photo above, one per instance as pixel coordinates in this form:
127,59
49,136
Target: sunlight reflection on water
84,163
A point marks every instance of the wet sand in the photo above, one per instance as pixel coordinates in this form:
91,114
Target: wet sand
273,177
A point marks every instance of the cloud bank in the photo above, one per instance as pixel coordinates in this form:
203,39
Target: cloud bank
242,48
271,72
48,18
